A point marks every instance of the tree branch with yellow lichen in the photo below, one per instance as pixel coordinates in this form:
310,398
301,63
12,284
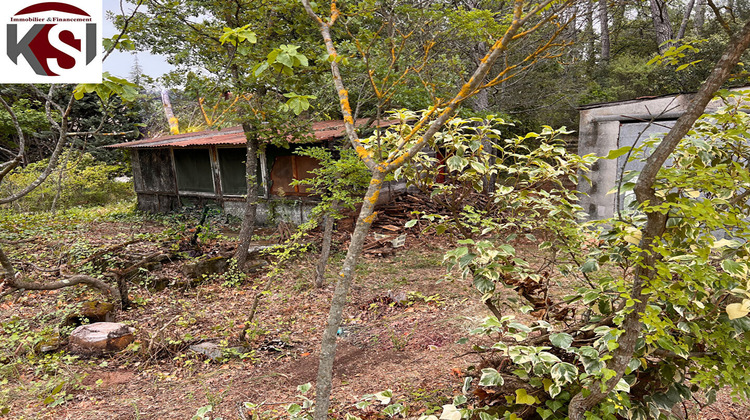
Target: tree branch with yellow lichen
410,144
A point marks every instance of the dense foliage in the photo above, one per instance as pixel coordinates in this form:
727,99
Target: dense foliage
696,329
78,180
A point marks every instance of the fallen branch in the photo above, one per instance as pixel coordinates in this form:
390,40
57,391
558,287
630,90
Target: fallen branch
9,292
158,334
101,252
19,241
17,283
43,270
155,257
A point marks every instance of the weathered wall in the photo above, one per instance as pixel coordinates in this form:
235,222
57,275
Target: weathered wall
272,212
607,127
154,180
156,185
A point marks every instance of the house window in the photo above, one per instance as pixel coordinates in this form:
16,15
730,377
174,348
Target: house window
232,169
288,168
193,170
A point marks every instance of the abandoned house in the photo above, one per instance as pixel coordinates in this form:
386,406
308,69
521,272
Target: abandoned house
609,126
208,168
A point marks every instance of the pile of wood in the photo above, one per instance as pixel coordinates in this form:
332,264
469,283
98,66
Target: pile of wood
393,215
388,230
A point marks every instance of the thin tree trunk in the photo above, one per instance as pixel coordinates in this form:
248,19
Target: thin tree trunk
251,202
58,192
604,29
685,19
481,100
662,25
591,58
328,345
325,252
700,17
379,170
656,224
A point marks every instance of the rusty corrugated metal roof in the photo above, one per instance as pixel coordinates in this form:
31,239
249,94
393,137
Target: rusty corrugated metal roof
324,131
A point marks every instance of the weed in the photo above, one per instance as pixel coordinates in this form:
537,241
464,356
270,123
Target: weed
233,276
416,297
399,342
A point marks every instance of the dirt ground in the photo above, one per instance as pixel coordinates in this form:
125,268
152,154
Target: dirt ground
400,332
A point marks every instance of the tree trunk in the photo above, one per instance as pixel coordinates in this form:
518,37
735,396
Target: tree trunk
58,190
591,57
700,17
328,345
251,202
662,26
604,29
685,19
656,223
481,100
325,251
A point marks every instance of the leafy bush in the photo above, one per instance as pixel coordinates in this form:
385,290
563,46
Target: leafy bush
78,180
696,332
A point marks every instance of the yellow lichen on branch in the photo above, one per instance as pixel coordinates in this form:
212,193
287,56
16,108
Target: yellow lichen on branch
173,126
399,160
362,152
334,13
369,219
374,198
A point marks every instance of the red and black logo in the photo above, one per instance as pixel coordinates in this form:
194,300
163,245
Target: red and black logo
53,44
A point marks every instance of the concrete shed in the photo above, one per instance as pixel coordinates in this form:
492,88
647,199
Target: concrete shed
609,126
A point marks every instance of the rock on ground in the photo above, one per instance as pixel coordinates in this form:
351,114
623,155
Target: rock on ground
100,337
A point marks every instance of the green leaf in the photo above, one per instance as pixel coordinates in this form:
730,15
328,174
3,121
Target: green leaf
478,167
732,267
384,397
590,266
467,384
562,340
614,154
393,410
491,377
456,163
410,223
544,413
563,373
523,398
285,59
487,416
293,409
622,385
554,390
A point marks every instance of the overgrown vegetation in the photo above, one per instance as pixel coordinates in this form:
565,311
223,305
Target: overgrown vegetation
630,317
79,180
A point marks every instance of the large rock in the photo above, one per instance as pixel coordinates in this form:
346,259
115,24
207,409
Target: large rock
100,337
90,312
205,267
211,350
